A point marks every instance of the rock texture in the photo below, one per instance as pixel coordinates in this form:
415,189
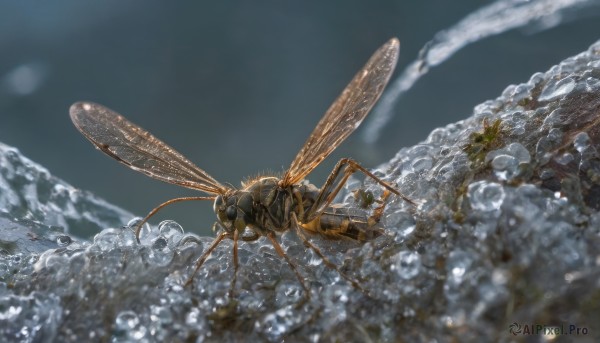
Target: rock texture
504,245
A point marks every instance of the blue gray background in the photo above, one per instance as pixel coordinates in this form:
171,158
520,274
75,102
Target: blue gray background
236,86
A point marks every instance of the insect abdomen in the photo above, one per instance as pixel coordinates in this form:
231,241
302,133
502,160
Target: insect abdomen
336,223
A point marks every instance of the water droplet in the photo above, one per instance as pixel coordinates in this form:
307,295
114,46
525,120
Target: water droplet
564,159
518,151
276,324
161,315
505,167
147,232
63,240
592,84
581,141
127,320
555,136
288,292
160,254
520,92
483,229
422,164
127,325
556,89
106,239
160,243
486,196
458,264
190,239
192,318
554,119
133,223
10,312
126,237
171,230
541,150
400,222
407,264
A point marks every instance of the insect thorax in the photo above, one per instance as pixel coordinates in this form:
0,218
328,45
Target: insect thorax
263,205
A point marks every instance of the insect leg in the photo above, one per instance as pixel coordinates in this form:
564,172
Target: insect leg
327,262
326,194
204,256
279,249
235,262
378,211
159,207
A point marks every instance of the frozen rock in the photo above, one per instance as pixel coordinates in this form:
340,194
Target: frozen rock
28,191
506,237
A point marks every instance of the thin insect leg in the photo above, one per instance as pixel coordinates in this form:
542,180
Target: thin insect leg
159,207
378,211
235,262
279,249
204,256
326,195
327,262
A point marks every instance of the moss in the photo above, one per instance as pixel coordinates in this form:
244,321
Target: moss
480,143
8,247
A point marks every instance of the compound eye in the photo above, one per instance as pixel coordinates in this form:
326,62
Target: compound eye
231,212
218,203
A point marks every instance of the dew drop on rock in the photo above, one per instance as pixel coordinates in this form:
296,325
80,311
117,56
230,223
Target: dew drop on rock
160,254
554,90
147,233
160,243
505,167
127,320
486,196
278,323
63,240
407,264
564,159
171,230
128,328
581,141
161,315
422,164
106,239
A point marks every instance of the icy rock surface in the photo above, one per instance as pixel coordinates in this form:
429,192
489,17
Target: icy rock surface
28,191
505,236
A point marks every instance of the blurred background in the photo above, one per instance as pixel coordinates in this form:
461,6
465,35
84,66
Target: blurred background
237,87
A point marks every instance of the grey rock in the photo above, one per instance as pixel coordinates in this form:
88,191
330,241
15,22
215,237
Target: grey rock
505,238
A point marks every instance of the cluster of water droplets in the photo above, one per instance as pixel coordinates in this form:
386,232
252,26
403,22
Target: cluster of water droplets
488,224
144,284
30,192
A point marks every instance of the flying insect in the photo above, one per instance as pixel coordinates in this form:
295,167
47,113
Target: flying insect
265,206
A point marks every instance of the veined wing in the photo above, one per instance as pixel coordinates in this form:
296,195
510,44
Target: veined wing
346,113
138,149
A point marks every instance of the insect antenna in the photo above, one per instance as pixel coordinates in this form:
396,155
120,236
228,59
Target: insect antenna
138,227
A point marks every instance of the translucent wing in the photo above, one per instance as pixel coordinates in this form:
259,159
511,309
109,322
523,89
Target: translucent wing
138,149
346,113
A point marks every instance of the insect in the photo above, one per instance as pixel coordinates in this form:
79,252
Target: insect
267,205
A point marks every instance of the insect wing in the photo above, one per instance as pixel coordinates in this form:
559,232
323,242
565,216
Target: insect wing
138,149
346,113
